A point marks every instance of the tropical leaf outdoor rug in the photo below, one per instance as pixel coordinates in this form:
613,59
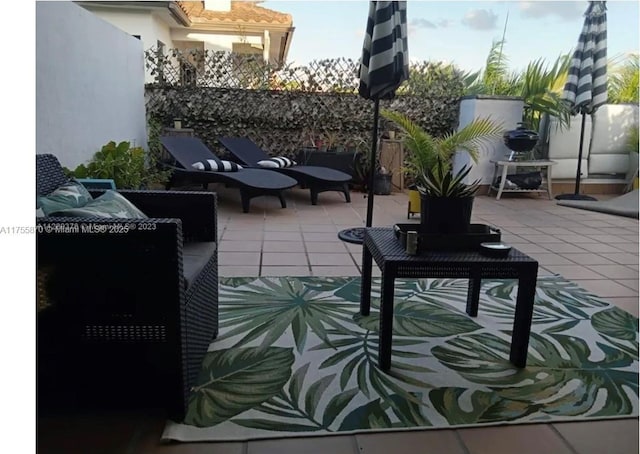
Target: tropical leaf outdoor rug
294,357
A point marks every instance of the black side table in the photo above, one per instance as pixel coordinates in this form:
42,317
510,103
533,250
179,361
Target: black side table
382,245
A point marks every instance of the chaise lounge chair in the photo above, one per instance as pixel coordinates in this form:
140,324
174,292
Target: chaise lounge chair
251,182
317,179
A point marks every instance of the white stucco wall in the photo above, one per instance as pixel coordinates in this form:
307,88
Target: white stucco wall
143,23
504,110
89,83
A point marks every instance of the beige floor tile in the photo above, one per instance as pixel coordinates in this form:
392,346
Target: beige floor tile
282,236
617,230
600,248
542,239
614,271
515,240
240,246
598,437
522,439
239,258
587,258
547,258
542,271
316,258
284,259
242,235
585,230
608,239
574,272
561,248
344,444
315,220
301,270
238,271
631,283
575,238
284,227
551,230
410,442
597,223
529,248
320,228
623,258
335,271
283,246
320,236
333,247
605,288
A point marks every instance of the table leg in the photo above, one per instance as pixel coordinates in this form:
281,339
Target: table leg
523,316
473,293
549,191
386,320
365,286
503,179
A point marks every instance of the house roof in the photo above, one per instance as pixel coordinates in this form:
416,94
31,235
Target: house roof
242,12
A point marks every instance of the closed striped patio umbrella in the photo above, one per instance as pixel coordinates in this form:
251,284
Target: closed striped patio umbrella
586,86
384,65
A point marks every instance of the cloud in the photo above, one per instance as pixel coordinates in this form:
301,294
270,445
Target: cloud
422,23
562,10
480,19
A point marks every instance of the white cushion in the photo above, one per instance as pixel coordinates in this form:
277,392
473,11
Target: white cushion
276,163
216,165
565,143
609,163
567,168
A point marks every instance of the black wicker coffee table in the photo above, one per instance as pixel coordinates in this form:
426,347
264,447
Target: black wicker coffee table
381,245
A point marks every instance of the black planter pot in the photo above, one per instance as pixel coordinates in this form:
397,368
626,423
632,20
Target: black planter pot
445,215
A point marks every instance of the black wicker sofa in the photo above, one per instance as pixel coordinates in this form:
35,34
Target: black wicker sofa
126,307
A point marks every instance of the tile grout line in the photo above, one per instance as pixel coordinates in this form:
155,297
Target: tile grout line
461,442
564,440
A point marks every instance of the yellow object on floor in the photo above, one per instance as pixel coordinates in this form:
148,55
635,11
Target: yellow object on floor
414,203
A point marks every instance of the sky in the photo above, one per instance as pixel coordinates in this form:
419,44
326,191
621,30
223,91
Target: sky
459,32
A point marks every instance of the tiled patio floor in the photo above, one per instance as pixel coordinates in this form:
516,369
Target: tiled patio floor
597,251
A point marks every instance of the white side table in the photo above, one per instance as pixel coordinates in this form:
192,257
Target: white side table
542,164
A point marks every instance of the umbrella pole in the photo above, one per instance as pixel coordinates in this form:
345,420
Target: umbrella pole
576,195
579,171
373,162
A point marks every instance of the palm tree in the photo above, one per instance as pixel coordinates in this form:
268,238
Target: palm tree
429,159
539,84
624,80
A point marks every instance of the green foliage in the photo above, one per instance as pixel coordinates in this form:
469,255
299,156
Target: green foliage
120,162
540,85
624,81
429,159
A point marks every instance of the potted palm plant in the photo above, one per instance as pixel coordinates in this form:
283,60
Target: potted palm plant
446,199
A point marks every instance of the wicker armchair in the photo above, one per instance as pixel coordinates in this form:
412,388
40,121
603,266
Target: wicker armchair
126,308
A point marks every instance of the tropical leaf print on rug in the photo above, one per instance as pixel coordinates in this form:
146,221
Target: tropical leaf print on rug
294,356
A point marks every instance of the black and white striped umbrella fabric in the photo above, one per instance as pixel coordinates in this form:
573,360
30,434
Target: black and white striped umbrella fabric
586,86
384,65
385,57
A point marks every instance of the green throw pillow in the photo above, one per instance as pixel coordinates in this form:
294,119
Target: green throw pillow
69,195
111,204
